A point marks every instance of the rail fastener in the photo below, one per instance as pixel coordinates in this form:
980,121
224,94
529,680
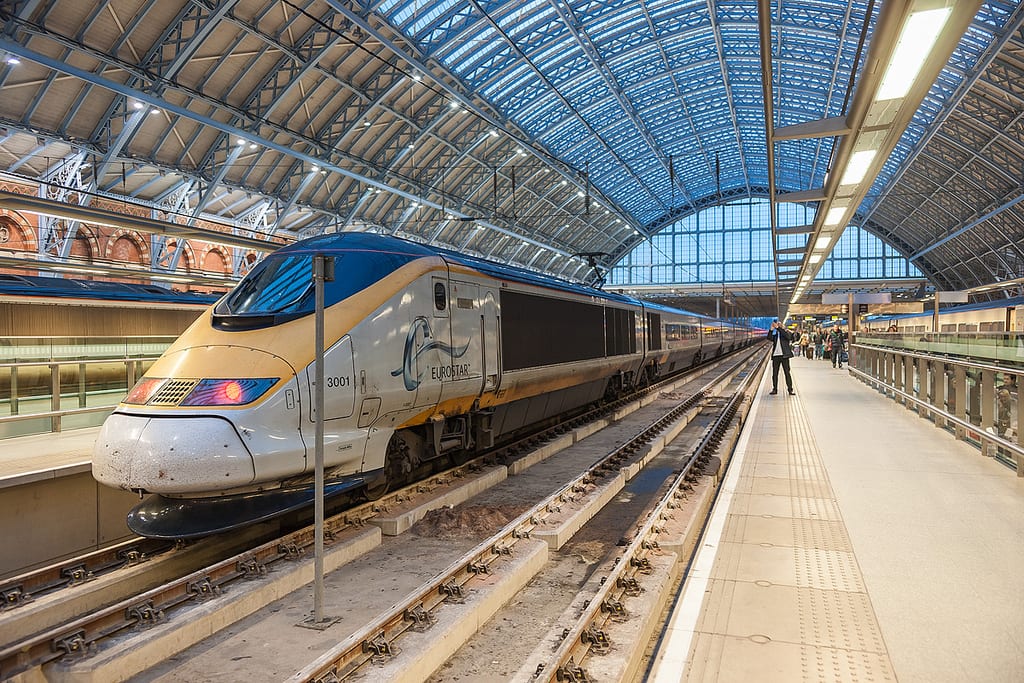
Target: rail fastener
452,592
77,575
571,673
145,614
420,619
13,596
615,609
379,648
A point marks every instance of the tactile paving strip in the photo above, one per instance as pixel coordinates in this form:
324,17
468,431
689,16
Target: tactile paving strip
786,600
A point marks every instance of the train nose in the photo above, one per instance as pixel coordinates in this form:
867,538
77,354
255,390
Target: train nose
171,455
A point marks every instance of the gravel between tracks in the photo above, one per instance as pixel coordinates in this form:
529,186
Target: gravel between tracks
554,598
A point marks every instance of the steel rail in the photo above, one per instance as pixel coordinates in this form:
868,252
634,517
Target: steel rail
22,589
607,605
376,639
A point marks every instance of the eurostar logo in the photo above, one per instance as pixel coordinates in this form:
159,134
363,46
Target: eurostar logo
410,377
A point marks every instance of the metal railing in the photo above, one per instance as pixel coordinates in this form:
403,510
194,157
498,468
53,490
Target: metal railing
978,401
48,384
1000,347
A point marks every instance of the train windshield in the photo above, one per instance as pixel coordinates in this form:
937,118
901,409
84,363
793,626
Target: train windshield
281,286
276,285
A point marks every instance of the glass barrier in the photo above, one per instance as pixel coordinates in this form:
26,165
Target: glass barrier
44,349
1001,347
57,383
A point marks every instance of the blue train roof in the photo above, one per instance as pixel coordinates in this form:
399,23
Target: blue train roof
668,309
976,306
34,285
363,241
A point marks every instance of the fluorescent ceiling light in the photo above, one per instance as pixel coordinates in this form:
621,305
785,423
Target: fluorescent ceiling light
815,258
915,43
858,166
834,215
821,243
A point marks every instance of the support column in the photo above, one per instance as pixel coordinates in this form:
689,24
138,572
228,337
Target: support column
959,389
974,397
923,385
908,380
1020,421
82,396
14,390
988,399
897,375
939,392
55,396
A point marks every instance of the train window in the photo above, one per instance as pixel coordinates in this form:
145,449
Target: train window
440,296
654,331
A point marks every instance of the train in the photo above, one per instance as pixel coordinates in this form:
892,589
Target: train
34,305
1004,315
19,288
429,355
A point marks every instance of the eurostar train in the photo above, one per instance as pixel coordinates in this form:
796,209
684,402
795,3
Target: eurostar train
429,354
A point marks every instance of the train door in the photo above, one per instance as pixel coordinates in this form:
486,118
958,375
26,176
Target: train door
489,324
339,382
461,370
339,402
430,353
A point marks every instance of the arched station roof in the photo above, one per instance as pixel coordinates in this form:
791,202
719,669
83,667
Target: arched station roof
541,133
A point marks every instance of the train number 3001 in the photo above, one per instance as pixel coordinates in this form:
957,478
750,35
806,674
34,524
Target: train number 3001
338,382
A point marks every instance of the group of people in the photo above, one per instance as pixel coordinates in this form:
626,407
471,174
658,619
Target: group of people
816,343
822,344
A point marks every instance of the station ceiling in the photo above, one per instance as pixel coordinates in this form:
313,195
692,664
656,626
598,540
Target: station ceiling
546,134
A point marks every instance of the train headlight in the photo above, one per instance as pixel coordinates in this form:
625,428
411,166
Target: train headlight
227,392
144,390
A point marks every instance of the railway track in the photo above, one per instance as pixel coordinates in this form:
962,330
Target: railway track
613,599
47,604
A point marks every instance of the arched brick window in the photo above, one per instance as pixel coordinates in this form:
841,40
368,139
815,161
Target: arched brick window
216,261
84,246
126,248
15,234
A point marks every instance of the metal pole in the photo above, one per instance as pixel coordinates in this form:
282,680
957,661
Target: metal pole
318,567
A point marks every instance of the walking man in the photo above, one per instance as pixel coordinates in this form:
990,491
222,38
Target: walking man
782,351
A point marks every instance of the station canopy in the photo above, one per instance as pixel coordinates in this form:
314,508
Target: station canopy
545,134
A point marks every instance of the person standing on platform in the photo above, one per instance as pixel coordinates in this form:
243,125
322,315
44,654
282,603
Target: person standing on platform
782,350
838,340
805,341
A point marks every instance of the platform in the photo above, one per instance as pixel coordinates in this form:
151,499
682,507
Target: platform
50,505
25,459
852,541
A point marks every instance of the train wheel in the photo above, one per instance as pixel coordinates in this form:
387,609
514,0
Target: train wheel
398,463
